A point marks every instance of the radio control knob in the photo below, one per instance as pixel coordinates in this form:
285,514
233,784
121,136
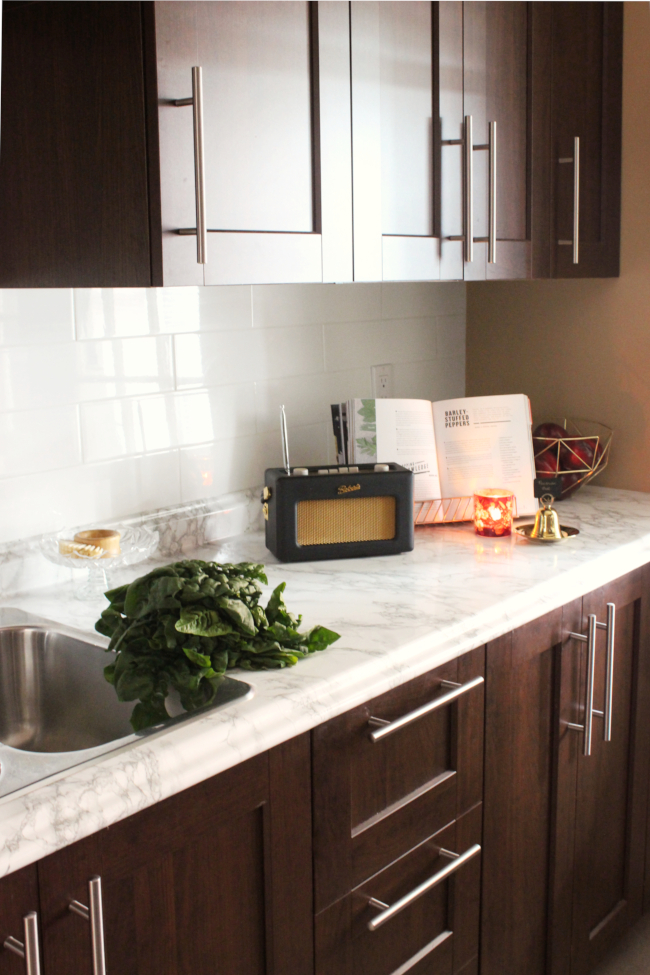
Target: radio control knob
380,468
301,471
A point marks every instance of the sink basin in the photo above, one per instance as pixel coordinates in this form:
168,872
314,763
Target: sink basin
54,697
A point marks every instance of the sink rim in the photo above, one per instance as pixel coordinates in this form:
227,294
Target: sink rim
11,758
171,722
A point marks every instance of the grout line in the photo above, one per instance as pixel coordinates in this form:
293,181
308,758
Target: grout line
75,327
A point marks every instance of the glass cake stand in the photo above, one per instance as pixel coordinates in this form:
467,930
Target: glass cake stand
136,544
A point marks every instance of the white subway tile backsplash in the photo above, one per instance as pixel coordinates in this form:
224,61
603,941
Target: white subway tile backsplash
126,312
114,402
219,358
39,440
374,343
73,372
118,428
124,367
275,305
87,493
307,399
206,470
110,428
30,316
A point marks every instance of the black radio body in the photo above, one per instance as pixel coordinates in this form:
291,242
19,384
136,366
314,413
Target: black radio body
338,512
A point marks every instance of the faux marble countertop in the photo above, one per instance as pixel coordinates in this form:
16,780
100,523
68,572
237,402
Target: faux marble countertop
398,616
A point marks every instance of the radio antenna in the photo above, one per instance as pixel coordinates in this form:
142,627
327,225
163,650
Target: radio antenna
285,440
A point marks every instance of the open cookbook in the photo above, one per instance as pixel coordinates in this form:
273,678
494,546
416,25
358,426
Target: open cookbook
453,447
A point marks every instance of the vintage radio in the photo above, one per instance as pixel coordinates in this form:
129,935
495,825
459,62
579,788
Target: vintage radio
338,512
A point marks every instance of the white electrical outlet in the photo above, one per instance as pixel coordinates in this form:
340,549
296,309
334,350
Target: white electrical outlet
382,381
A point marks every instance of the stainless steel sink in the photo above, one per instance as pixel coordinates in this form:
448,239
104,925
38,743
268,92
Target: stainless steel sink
54,697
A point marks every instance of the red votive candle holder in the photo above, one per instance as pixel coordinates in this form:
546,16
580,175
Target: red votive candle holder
493,512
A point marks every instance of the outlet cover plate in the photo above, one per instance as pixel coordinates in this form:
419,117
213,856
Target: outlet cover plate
382,381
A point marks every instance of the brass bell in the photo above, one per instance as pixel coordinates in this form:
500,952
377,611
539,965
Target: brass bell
547,523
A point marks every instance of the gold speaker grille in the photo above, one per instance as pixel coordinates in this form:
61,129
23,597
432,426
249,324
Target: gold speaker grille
333,520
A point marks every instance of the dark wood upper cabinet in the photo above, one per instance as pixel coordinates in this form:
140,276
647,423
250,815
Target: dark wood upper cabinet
365,141
577,86
483,65
74,190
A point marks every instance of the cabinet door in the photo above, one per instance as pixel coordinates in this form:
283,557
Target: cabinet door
587,42
73,168
484,77
519,760
276,114
563,833
18,897
394,141
603,794
198,882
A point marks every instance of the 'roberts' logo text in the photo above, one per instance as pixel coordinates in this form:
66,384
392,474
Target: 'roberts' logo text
346,488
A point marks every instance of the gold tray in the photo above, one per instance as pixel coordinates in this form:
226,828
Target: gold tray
567,532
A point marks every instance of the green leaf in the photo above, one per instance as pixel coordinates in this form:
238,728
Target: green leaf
109,622
116,597
200,659
319,637
220,662
148,595
239,613
201,622
148,713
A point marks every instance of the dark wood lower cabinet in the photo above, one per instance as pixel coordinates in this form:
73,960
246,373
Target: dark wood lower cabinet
435,935
215,879
18,897
382,812
219,878
564,833
607,789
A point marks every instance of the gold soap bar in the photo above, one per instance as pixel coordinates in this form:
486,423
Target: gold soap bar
78,550
103,538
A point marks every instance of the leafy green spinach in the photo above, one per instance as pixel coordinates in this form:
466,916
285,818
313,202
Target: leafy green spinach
183,625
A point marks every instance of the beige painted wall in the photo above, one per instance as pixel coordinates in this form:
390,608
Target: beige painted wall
582,348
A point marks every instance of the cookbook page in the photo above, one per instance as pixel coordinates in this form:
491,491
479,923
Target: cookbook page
486,441
399,431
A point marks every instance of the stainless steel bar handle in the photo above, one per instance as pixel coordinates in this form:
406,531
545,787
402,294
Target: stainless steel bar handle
196,101
576,200
589,698
385,728
27,949
492,202
199,167
423,888
609,678
469,190
95,915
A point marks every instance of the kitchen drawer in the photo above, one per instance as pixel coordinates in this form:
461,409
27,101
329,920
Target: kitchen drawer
436,934
375,800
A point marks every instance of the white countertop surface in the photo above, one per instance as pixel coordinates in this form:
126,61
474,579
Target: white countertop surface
398,616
